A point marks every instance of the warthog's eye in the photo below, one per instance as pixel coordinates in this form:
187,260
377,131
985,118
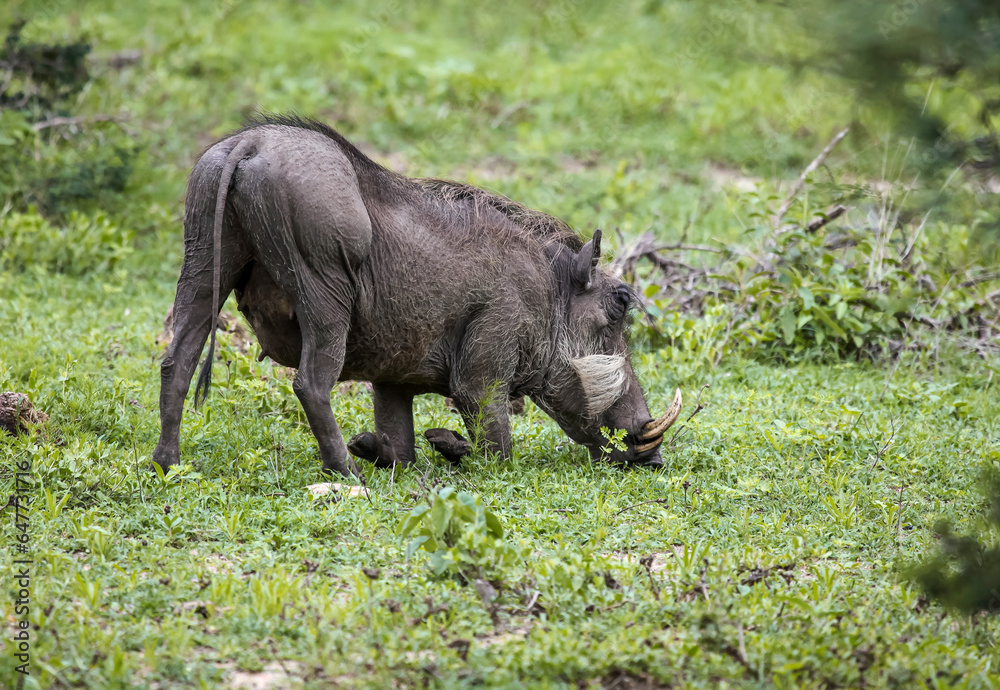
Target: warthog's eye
618,303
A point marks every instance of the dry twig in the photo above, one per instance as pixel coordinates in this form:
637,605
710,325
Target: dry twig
801,182
74,121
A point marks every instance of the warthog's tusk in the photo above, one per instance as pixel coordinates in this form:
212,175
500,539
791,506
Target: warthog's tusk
642,448
658,427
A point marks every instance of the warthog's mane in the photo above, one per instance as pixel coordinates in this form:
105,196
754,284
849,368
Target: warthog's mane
543,227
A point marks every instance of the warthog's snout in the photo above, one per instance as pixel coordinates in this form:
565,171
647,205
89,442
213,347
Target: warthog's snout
642,446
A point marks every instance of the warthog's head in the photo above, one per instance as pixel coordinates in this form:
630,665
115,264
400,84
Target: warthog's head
590,383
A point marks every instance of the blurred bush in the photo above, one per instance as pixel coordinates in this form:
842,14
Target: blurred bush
51,158
80,245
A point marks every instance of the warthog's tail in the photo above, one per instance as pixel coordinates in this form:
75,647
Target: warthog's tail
237,154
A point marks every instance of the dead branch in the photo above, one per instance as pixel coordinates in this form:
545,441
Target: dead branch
801,182
689,248
831,215
984,278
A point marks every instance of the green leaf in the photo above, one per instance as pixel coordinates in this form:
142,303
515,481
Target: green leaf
463,513
493,525
412,520
823,316
440,516
788,325
438,562
807,297
413,545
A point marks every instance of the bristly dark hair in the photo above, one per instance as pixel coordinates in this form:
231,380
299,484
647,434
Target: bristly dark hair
544,227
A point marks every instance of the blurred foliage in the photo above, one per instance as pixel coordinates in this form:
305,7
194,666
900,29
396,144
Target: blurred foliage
965,574
919,57
927,69
80,245
40,77
47,161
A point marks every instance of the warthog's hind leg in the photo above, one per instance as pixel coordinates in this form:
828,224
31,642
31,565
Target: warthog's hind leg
323,346
192,322
193,309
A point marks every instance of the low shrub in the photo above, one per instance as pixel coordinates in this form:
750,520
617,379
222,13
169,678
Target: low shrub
800,290
463,537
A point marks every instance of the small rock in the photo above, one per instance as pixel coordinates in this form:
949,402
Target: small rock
327,487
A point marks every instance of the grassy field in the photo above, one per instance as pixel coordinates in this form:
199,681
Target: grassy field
772,550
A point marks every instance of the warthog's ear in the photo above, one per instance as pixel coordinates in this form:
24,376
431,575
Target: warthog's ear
586,261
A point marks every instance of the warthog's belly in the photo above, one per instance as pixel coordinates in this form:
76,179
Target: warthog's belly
375,352
271,316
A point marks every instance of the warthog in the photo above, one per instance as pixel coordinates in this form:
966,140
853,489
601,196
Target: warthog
348,271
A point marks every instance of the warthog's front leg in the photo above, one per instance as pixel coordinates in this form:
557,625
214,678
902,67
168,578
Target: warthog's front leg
323,346
487,422
479,385
392,441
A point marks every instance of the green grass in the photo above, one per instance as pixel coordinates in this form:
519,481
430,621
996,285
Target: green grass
835,473
781,527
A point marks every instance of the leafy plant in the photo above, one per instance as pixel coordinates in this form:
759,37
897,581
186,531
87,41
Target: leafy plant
462,536
875,285
615,440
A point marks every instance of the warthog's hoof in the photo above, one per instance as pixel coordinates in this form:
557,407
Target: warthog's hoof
448,443
370,447
165,457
